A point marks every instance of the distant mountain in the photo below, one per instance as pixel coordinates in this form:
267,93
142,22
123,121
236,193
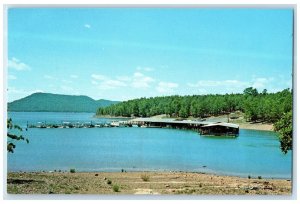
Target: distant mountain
57,103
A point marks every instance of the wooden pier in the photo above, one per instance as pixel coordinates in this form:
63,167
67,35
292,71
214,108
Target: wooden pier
173,123
203,127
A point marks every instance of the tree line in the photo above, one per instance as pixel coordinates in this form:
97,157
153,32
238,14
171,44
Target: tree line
258,107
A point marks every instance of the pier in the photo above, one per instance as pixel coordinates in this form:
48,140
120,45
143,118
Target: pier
66,124
173,123
203,127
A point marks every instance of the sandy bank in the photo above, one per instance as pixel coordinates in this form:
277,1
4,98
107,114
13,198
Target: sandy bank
242,123
259,126
150,183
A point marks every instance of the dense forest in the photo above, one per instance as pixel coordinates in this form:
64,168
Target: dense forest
261,107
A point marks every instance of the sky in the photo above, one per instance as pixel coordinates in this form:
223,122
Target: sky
126,53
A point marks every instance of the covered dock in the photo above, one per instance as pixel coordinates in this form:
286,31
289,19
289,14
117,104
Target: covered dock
204,127
220,129
175,123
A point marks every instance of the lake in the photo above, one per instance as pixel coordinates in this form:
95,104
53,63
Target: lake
254,153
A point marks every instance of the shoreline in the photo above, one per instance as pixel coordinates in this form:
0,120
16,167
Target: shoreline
212,173
142,183
242,124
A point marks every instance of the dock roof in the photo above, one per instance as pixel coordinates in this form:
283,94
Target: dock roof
170,120
191,122
222,124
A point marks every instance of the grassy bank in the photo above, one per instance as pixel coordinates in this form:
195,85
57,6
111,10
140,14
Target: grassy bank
142,183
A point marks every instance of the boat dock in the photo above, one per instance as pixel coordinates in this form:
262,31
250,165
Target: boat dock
173,123
204,127
90,124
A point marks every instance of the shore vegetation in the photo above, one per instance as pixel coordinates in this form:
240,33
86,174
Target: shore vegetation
264,107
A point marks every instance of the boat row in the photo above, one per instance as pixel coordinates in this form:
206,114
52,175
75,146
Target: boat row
82,125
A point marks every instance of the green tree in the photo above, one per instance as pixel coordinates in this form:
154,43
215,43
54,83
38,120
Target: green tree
176,106
183,113
143,108
251,91
135,109
264,92
184,110
194,108
13,134
251,109
285,129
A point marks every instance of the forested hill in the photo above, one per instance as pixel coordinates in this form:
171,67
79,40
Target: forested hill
57,103
268,107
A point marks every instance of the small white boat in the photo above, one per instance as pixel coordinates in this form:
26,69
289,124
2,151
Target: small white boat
115,124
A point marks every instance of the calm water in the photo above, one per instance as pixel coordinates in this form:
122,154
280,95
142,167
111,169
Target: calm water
112,149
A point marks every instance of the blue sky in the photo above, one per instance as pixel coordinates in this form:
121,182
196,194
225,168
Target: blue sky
126,53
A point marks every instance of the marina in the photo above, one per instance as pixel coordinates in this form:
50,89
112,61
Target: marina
203,127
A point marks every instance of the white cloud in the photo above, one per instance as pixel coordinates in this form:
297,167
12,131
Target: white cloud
104,82
73,76
111,84
141,81
87,26
272,84
166,87
99,77
16,64
12,77
261,83
137,80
